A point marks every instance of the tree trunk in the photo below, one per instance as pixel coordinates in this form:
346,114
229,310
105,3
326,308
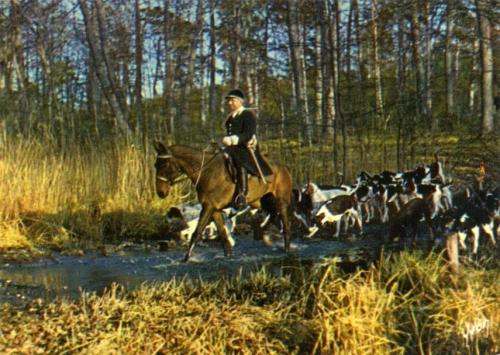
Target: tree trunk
236,55
303,91
93,95
140,118
102,68
485,29
334,66
19,64
47,78
331,72
188,84
379,105
401,78
318,84
472,90
428,68
168,80
417,63
297,61
449,67
213,65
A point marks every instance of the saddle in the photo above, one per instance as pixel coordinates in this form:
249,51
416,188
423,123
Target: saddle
230,167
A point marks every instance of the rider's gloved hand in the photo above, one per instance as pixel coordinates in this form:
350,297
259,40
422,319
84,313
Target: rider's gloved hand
230,140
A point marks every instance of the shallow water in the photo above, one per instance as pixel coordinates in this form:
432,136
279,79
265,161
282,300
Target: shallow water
67,276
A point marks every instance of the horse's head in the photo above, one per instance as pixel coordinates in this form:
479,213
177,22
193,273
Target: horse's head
166,170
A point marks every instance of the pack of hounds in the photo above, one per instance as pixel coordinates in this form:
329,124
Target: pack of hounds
397,200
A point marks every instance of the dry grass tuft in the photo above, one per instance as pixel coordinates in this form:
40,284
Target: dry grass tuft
368,312
355,315
11,237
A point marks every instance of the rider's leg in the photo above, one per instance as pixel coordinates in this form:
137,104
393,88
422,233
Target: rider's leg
242,187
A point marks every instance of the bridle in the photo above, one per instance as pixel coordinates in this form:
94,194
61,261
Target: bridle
168,180
181,178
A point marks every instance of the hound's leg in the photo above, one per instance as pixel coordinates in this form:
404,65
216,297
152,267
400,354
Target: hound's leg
396,203
413,233
475,239
488,230
358,221
227,239
462,236
338,226
205,217
385,217
428,220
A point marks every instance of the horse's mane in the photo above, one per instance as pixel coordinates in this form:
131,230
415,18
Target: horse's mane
185,151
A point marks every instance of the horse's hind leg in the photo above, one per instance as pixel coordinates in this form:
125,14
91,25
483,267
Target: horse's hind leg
205,218
227,240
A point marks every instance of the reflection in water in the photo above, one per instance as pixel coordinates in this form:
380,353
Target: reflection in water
68,276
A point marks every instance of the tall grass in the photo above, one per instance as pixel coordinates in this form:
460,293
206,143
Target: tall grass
389,308
77,194
93,192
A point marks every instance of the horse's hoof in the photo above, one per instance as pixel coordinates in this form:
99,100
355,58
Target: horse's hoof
228,252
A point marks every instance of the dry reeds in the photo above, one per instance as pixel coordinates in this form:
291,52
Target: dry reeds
60,198
372,311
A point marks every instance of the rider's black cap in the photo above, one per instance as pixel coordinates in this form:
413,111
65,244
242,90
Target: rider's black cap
236,93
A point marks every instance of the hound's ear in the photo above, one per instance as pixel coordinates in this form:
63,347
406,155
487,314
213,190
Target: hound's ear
160,148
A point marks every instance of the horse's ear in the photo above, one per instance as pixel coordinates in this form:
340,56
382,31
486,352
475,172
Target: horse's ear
160,148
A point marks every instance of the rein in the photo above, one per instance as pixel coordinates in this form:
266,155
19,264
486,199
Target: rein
182,178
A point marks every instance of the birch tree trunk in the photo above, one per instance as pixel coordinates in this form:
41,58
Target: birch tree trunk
303,90
334,42
47,95
102,69
379,105
298,63
472,90
331,115
417,63
18,62
318,84
140,118
93,95
236,55
168,80
485,30
401,80
188,84
449,54
428,67
213,64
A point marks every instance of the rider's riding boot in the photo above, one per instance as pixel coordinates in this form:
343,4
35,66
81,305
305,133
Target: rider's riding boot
242,185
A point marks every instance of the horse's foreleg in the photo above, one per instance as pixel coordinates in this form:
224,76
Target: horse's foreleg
227,240
284,212
205,218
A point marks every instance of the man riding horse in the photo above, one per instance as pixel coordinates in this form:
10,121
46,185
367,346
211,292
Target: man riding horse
241,145
215,183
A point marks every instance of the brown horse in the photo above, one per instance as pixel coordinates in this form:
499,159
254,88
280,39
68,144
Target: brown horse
216,189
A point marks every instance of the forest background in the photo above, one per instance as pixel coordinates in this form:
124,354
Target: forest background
338,87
